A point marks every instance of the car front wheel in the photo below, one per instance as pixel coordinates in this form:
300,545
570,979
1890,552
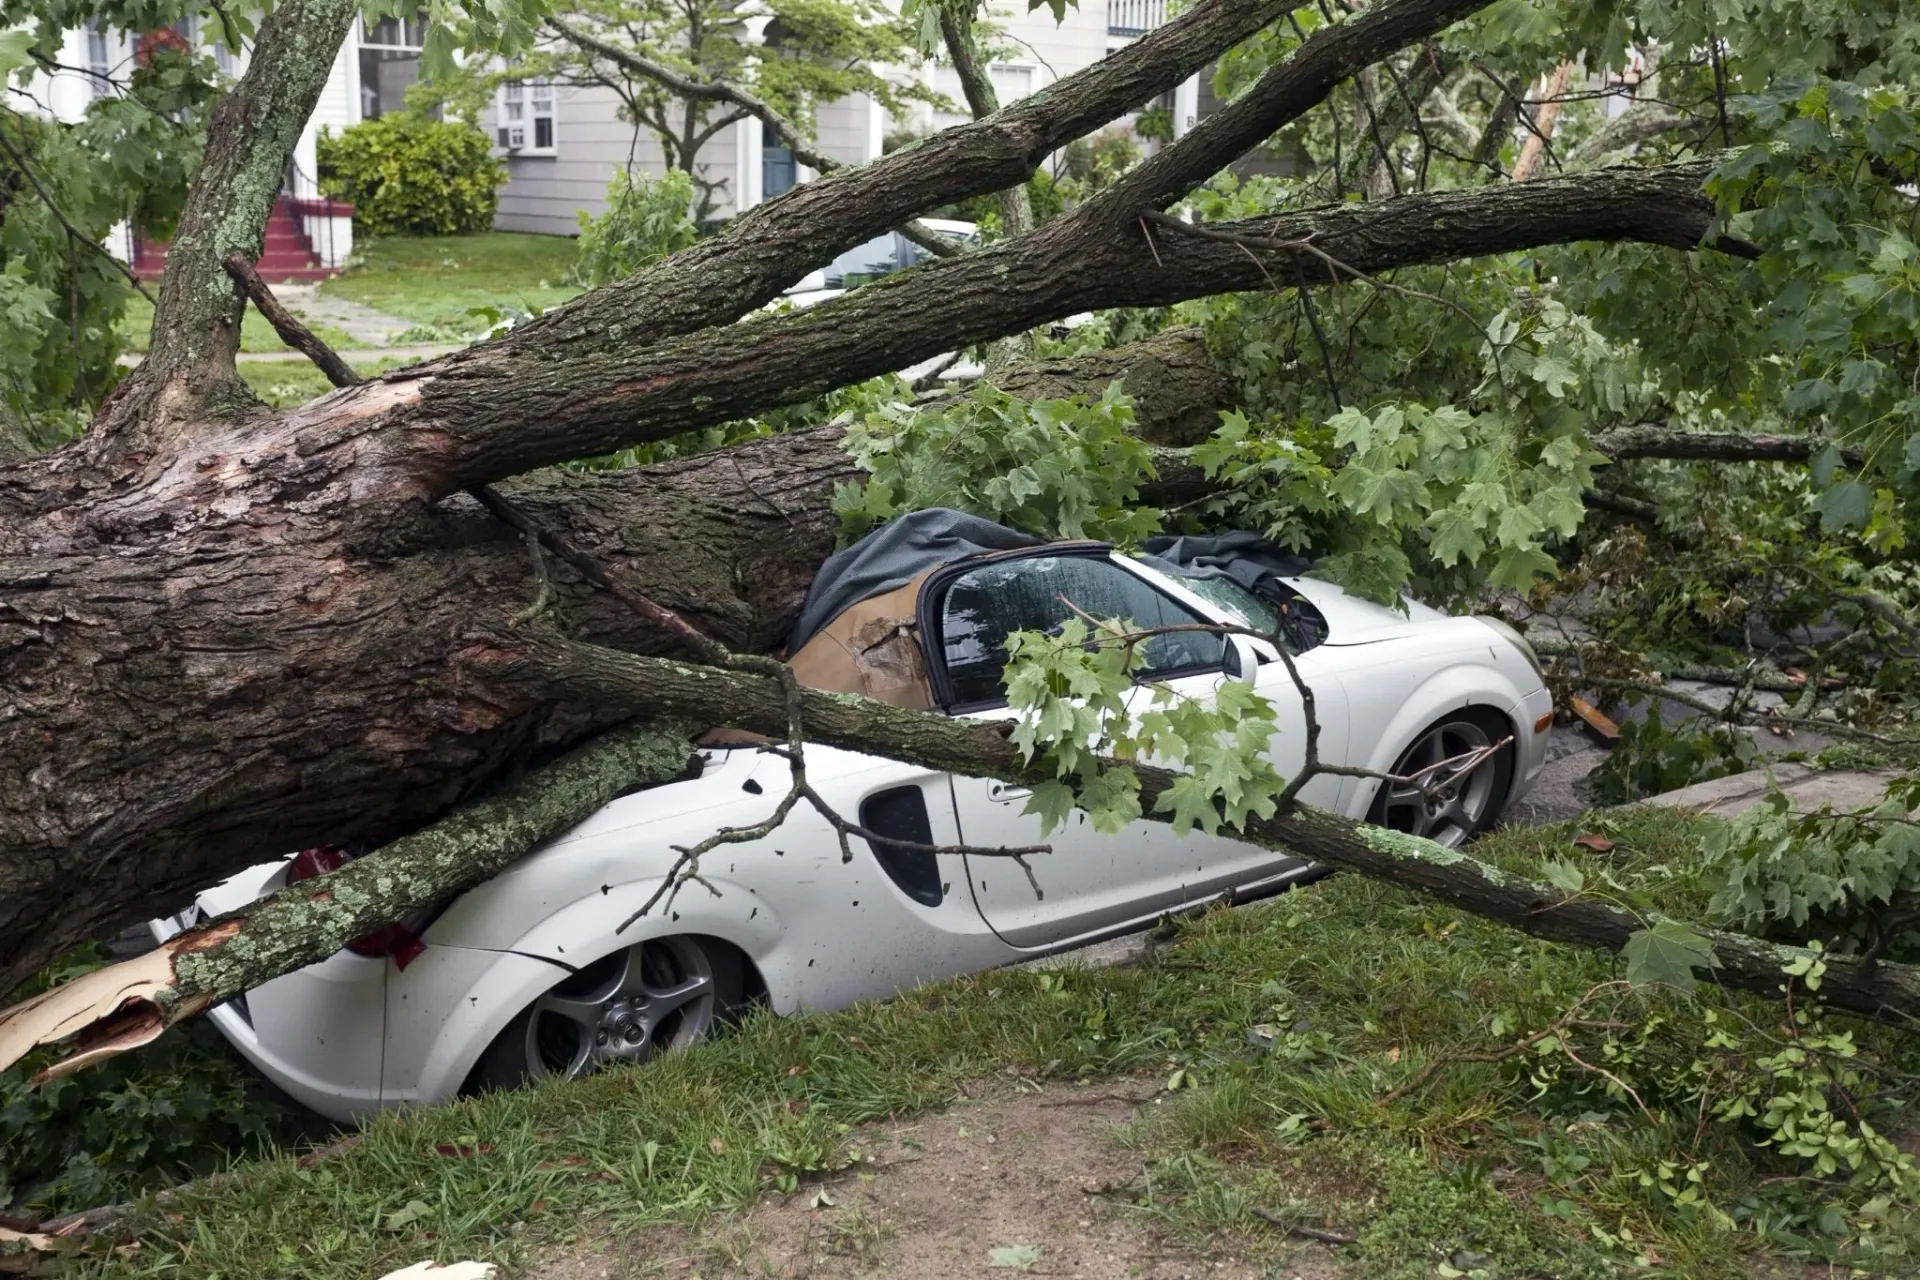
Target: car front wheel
1446,796
638,1002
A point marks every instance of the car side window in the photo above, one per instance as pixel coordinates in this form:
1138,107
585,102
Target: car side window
984,606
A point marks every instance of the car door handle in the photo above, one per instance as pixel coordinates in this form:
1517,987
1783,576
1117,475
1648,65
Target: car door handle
1006,793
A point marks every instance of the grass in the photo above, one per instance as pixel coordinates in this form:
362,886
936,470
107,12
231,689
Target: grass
286,383
256,335
1526,1166
435,280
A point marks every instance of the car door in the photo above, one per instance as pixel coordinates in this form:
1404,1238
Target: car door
1090,883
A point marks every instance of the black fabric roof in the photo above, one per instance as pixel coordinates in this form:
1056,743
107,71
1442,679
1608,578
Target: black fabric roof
893,555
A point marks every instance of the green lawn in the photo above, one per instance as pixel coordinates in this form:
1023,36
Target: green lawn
255,333
434,280
1283,1032
294,381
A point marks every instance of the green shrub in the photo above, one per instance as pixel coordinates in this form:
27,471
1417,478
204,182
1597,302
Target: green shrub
408,175
173,1110
647,219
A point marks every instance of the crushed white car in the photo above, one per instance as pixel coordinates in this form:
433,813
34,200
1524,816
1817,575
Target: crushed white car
526,977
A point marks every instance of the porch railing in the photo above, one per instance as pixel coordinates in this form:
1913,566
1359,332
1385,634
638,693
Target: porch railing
1134,17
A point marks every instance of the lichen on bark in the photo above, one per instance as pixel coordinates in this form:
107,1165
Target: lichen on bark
312,920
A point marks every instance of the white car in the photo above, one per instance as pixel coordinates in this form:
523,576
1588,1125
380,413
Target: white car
526,976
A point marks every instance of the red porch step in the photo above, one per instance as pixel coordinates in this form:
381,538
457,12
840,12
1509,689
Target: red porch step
286,255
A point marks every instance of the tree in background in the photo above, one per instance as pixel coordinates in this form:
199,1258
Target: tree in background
672,61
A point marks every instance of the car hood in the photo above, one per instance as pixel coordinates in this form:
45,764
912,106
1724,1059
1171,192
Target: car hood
1351,620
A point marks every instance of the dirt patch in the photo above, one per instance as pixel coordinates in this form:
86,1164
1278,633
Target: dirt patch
1033,1184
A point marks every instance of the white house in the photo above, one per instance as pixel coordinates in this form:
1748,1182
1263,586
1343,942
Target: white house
564,143
309,236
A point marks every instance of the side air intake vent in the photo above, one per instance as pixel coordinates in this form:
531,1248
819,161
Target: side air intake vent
902,814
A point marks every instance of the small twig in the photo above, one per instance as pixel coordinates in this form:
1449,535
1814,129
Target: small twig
292,332
1292,1228
607,579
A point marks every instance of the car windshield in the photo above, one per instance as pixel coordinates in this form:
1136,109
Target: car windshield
1238,603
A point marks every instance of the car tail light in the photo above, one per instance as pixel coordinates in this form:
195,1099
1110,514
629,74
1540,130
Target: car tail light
396,940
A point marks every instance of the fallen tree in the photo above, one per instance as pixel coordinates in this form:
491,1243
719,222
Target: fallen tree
226,631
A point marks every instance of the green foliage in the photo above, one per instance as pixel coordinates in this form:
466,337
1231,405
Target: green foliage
1071,695
1057,468
1451,499
61,297
647,219
1823,188
176,1109
1851,879
408,175
1654,757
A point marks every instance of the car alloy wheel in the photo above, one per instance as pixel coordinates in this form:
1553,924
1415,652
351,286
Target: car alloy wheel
638,1002
1451,789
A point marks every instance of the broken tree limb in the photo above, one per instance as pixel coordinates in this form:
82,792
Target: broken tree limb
288,326
127,1005
1889,993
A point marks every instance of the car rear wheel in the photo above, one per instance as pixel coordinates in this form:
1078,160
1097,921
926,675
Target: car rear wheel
1448,797
630,1006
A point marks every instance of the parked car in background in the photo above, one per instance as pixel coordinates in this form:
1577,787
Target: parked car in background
527,976
880,257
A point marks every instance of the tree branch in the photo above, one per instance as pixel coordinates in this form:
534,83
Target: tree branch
720,91
774,244
956,30
73,233
504,412
288,326
128,1005
984,749
1652,440
1639,123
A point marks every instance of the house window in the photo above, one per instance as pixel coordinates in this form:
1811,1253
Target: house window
1010,84
389,62
777,171
99,60
525,120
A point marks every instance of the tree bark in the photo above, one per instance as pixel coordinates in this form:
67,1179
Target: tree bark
209,673
518,404
1178,388
130,1005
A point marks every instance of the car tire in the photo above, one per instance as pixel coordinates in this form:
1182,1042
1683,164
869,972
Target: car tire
637,1002
1458,813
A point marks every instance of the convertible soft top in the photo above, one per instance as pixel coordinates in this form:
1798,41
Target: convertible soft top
858,630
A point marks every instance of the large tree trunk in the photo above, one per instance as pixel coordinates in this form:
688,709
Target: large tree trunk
210,671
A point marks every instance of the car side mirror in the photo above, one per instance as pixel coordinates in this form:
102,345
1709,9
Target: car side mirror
1243,657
